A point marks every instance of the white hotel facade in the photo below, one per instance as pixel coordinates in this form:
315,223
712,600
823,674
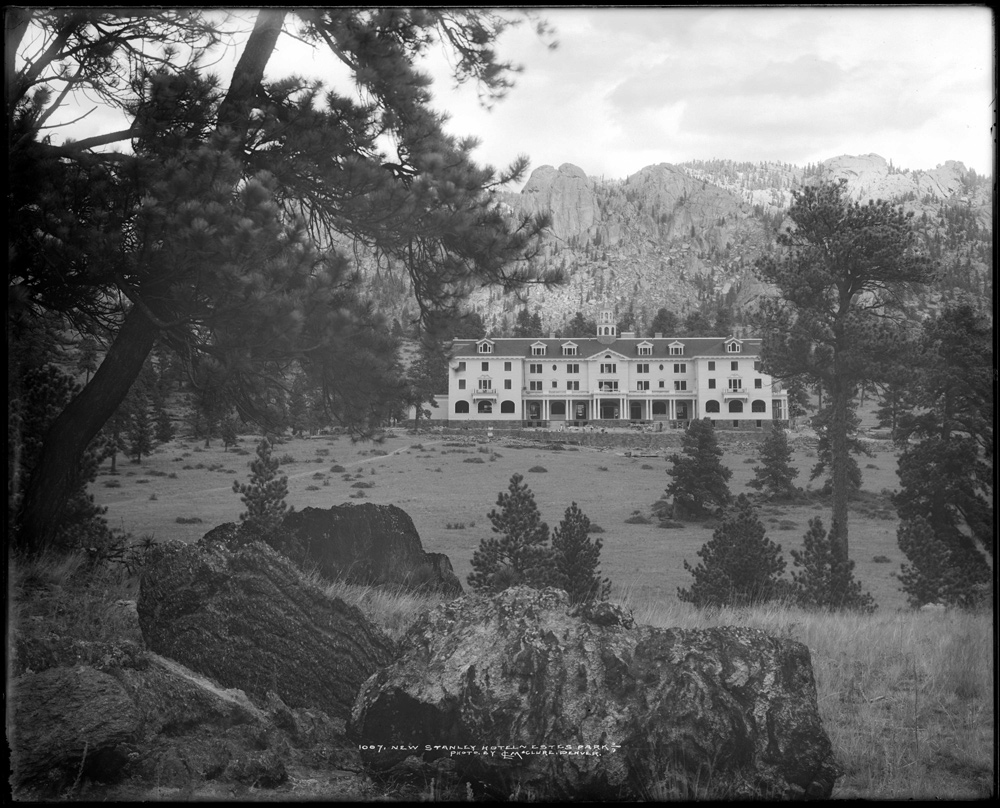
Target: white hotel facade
609,379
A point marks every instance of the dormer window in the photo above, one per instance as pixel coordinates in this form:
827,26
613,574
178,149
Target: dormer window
645,348
569,349
485,347
538,349
676,349
734,346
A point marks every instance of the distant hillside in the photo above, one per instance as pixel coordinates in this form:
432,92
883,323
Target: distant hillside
686,236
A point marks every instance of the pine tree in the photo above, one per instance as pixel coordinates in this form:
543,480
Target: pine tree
739,565
265,494
664,322
163,425
200,230
519,554
775,474
578,558
825,580
700,481
140,432
228,432
840,269
940,571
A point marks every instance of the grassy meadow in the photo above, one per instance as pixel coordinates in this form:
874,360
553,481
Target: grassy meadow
907,697
448,485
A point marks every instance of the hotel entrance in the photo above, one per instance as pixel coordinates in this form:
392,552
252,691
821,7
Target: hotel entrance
609,409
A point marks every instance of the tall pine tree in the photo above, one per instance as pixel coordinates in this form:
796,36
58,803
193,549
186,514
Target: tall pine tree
212,232
842,270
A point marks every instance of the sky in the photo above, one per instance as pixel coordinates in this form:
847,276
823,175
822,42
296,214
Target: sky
628,88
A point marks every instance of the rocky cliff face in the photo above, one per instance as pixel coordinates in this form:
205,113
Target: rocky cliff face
686,236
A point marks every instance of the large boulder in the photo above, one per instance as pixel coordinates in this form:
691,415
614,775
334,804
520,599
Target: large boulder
69,723
249,619
528,696
370,544
149,719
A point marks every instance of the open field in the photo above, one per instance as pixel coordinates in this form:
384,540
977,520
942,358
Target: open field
448,484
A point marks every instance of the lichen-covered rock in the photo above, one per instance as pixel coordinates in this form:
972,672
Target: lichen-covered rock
584,705
250,620
370,544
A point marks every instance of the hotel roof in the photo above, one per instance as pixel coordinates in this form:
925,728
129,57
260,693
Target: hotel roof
592,347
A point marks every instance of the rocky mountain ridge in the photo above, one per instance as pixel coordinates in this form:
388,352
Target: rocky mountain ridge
685,237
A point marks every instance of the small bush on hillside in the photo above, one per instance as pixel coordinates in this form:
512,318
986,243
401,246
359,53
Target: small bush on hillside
739,566
112,484
285,459
824,582
188,520
357,495
538,470
363,485
473,460
638,519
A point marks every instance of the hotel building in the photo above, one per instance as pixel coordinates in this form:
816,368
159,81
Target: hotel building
612,379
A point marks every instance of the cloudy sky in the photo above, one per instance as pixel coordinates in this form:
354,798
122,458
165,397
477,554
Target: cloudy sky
627,88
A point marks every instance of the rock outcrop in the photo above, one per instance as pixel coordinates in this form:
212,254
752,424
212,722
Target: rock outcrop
525,696
70,723
248,619
372,545
154,721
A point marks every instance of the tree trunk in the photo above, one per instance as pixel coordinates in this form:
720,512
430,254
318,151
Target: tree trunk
57,472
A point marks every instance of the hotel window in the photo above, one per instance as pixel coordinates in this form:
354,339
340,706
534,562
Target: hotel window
461,384
609,368
534,368
486,365
486,384
758,384
662,384
461,366
642,385
734,365
735,384
572,385
534,385
676,350
506,384
645,350
642,367
538,350
680,368
573,368
555,384
485,348
711,384
711,365
733,347
506,366
569,350
607,386
756,366
680,385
